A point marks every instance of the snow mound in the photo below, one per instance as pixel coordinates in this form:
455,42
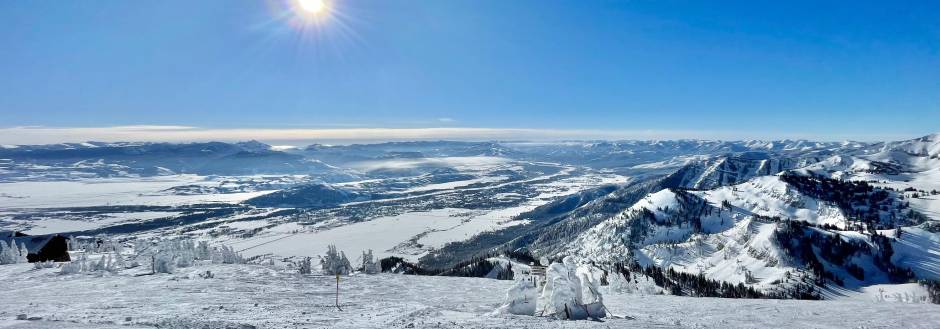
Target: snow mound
769,196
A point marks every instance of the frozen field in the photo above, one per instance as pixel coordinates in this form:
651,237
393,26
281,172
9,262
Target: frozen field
111,191
409,235
382,235
63,221
266,297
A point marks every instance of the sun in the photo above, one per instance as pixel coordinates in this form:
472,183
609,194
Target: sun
314,7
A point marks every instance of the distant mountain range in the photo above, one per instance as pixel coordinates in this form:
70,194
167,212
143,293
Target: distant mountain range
91,159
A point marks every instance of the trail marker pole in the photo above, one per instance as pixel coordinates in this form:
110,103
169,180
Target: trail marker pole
337,293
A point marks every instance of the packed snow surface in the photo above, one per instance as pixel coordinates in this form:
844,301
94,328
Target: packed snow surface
268,297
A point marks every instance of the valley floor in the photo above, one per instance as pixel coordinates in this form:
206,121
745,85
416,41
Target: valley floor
240,296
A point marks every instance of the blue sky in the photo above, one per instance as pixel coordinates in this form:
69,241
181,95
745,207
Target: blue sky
665,69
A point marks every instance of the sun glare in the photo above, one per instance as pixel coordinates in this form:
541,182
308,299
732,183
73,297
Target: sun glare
316,24
314,7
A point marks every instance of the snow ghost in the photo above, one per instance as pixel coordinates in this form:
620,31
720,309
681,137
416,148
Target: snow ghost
562,291
520,299
565,295
570,292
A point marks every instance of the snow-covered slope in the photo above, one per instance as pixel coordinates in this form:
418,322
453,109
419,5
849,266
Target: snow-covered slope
765,233
845,166
680,230
912,166
890,158
917,154
733,169
257,296
769,196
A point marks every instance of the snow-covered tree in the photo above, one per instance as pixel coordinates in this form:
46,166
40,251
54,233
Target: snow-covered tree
167,255
163,256
305,267
520,299
590,290
107,262
72,243
118,262
11,254
6,254
42,265
369,265
226,255
185,253
24,253
73,267
163,262
563,294
335,262
203,251
102,264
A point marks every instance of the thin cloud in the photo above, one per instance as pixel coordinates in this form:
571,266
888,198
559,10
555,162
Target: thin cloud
153,133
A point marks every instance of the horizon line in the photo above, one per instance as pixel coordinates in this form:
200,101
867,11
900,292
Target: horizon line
34,135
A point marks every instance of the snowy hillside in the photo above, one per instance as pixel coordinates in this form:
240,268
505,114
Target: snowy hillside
678,230
757,233
917,154
728,170
911,166
770,196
